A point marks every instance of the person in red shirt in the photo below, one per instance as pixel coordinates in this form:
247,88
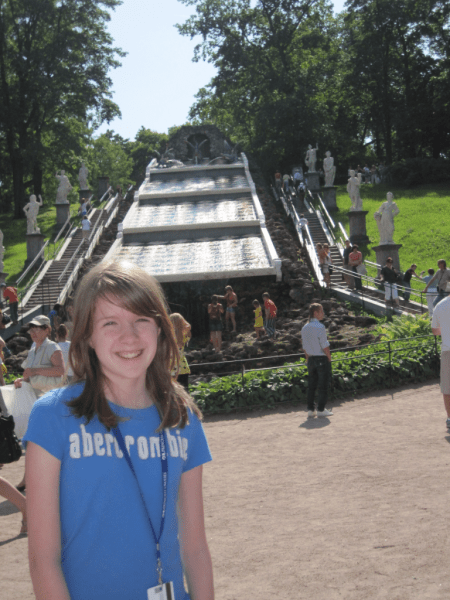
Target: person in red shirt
271,315
10,293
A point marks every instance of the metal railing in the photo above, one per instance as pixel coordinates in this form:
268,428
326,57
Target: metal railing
390,350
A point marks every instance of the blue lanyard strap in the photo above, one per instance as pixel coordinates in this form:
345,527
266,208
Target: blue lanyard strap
165,471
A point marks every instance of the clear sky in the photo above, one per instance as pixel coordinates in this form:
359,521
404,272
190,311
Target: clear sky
157,82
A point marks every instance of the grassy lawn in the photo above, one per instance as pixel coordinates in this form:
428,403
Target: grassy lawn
422,227
14,231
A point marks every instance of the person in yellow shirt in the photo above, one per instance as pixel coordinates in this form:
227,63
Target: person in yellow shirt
259,321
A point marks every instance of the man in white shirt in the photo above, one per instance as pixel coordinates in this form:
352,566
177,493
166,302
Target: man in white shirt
318,356
440,325
85,226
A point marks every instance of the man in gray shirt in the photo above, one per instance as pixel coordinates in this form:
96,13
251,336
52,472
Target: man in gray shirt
317,352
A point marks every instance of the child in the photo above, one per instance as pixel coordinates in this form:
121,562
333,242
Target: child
114,461
182,331
215,312
259,324
271,315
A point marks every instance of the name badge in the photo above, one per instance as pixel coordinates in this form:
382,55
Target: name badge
161,592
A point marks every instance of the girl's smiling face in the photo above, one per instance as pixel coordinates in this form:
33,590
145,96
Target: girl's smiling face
125,343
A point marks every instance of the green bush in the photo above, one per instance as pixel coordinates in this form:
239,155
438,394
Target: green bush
365,369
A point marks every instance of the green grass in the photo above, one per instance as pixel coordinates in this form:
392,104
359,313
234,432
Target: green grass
422,227
14,240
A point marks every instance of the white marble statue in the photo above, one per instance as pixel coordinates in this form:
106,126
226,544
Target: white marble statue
31,211
2,252
310,158
329,169
82,177
353,186
385,219
64,188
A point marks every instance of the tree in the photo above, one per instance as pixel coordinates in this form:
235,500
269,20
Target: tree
54,61
107,155
147,145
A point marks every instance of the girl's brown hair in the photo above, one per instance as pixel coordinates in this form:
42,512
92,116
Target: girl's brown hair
62,331
180,325
133,289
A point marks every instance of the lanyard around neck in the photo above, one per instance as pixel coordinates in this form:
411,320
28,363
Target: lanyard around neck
165,470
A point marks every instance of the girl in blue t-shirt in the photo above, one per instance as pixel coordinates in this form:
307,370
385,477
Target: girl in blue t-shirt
114,461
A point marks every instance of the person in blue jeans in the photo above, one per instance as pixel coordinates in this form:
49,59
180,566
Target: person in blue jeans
410,273
442,279
317,352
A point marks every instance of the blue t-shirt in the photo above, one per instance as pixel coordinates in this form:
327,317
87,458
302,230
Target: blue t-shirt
108,549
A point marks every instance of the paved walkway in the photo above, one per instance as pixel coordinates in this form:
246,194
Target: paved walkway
352,507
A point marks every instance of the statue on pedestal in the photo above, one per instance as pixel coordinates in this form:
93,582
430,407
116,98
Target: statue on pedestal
82,177
353,186
31,211
384,217
329,169
310,158
64,188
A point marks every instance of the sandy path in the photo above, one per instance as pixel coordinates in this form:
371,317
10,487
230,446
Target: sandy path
350,507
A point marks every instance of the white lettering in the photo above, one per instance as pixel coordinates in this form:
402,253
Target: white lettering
88,447
154,447
74,440
119,452
185,447
173,446
109,439
98,443
142,447
129,441
180,443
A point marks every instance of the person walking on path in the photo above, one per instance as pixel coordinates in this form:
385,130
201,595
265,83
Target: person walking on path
271,316
114,462
10,293
442,279
409,274
318,357
215,312
440,325
259,322
389,275
355,260
431,293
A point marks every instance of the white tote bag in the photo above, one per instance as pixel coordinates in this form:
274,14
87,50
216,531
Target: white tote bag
18,403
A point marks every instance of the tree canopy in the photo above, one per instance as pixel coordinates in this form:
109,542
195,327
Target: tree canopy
55,56
370,82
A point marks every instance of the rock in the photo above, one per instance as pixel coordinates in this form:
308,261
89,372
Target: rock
365,321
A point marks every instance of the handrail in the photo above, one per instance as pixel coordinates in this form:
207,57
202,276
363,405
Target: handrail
62,229
70,261
343,232
41,251
327,214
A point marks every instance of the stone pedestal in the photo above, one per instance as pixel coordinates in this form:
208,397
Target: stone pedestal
329,197
357,222
84,195
313,181
62,214
35,243
103,185
384,251
3,277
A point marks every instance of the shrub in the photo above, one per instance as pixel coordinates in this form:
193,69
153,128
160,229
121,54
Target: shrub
415,171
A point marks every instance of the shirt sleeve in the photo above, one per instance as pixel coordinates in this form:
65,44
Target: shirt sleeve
45,426
198,451
324,343
435,320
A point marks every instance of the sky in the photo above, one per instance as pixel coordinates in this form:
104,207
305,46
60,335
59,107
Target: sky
157,82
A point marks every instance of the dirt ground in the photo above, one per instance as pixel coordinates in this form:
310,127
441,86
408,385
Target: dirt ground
351,507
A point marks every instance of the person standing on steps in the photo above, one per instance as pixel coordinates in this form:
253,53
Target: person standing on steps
355,260
442,279
232,302
318,357
10,293
389,276
349,280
